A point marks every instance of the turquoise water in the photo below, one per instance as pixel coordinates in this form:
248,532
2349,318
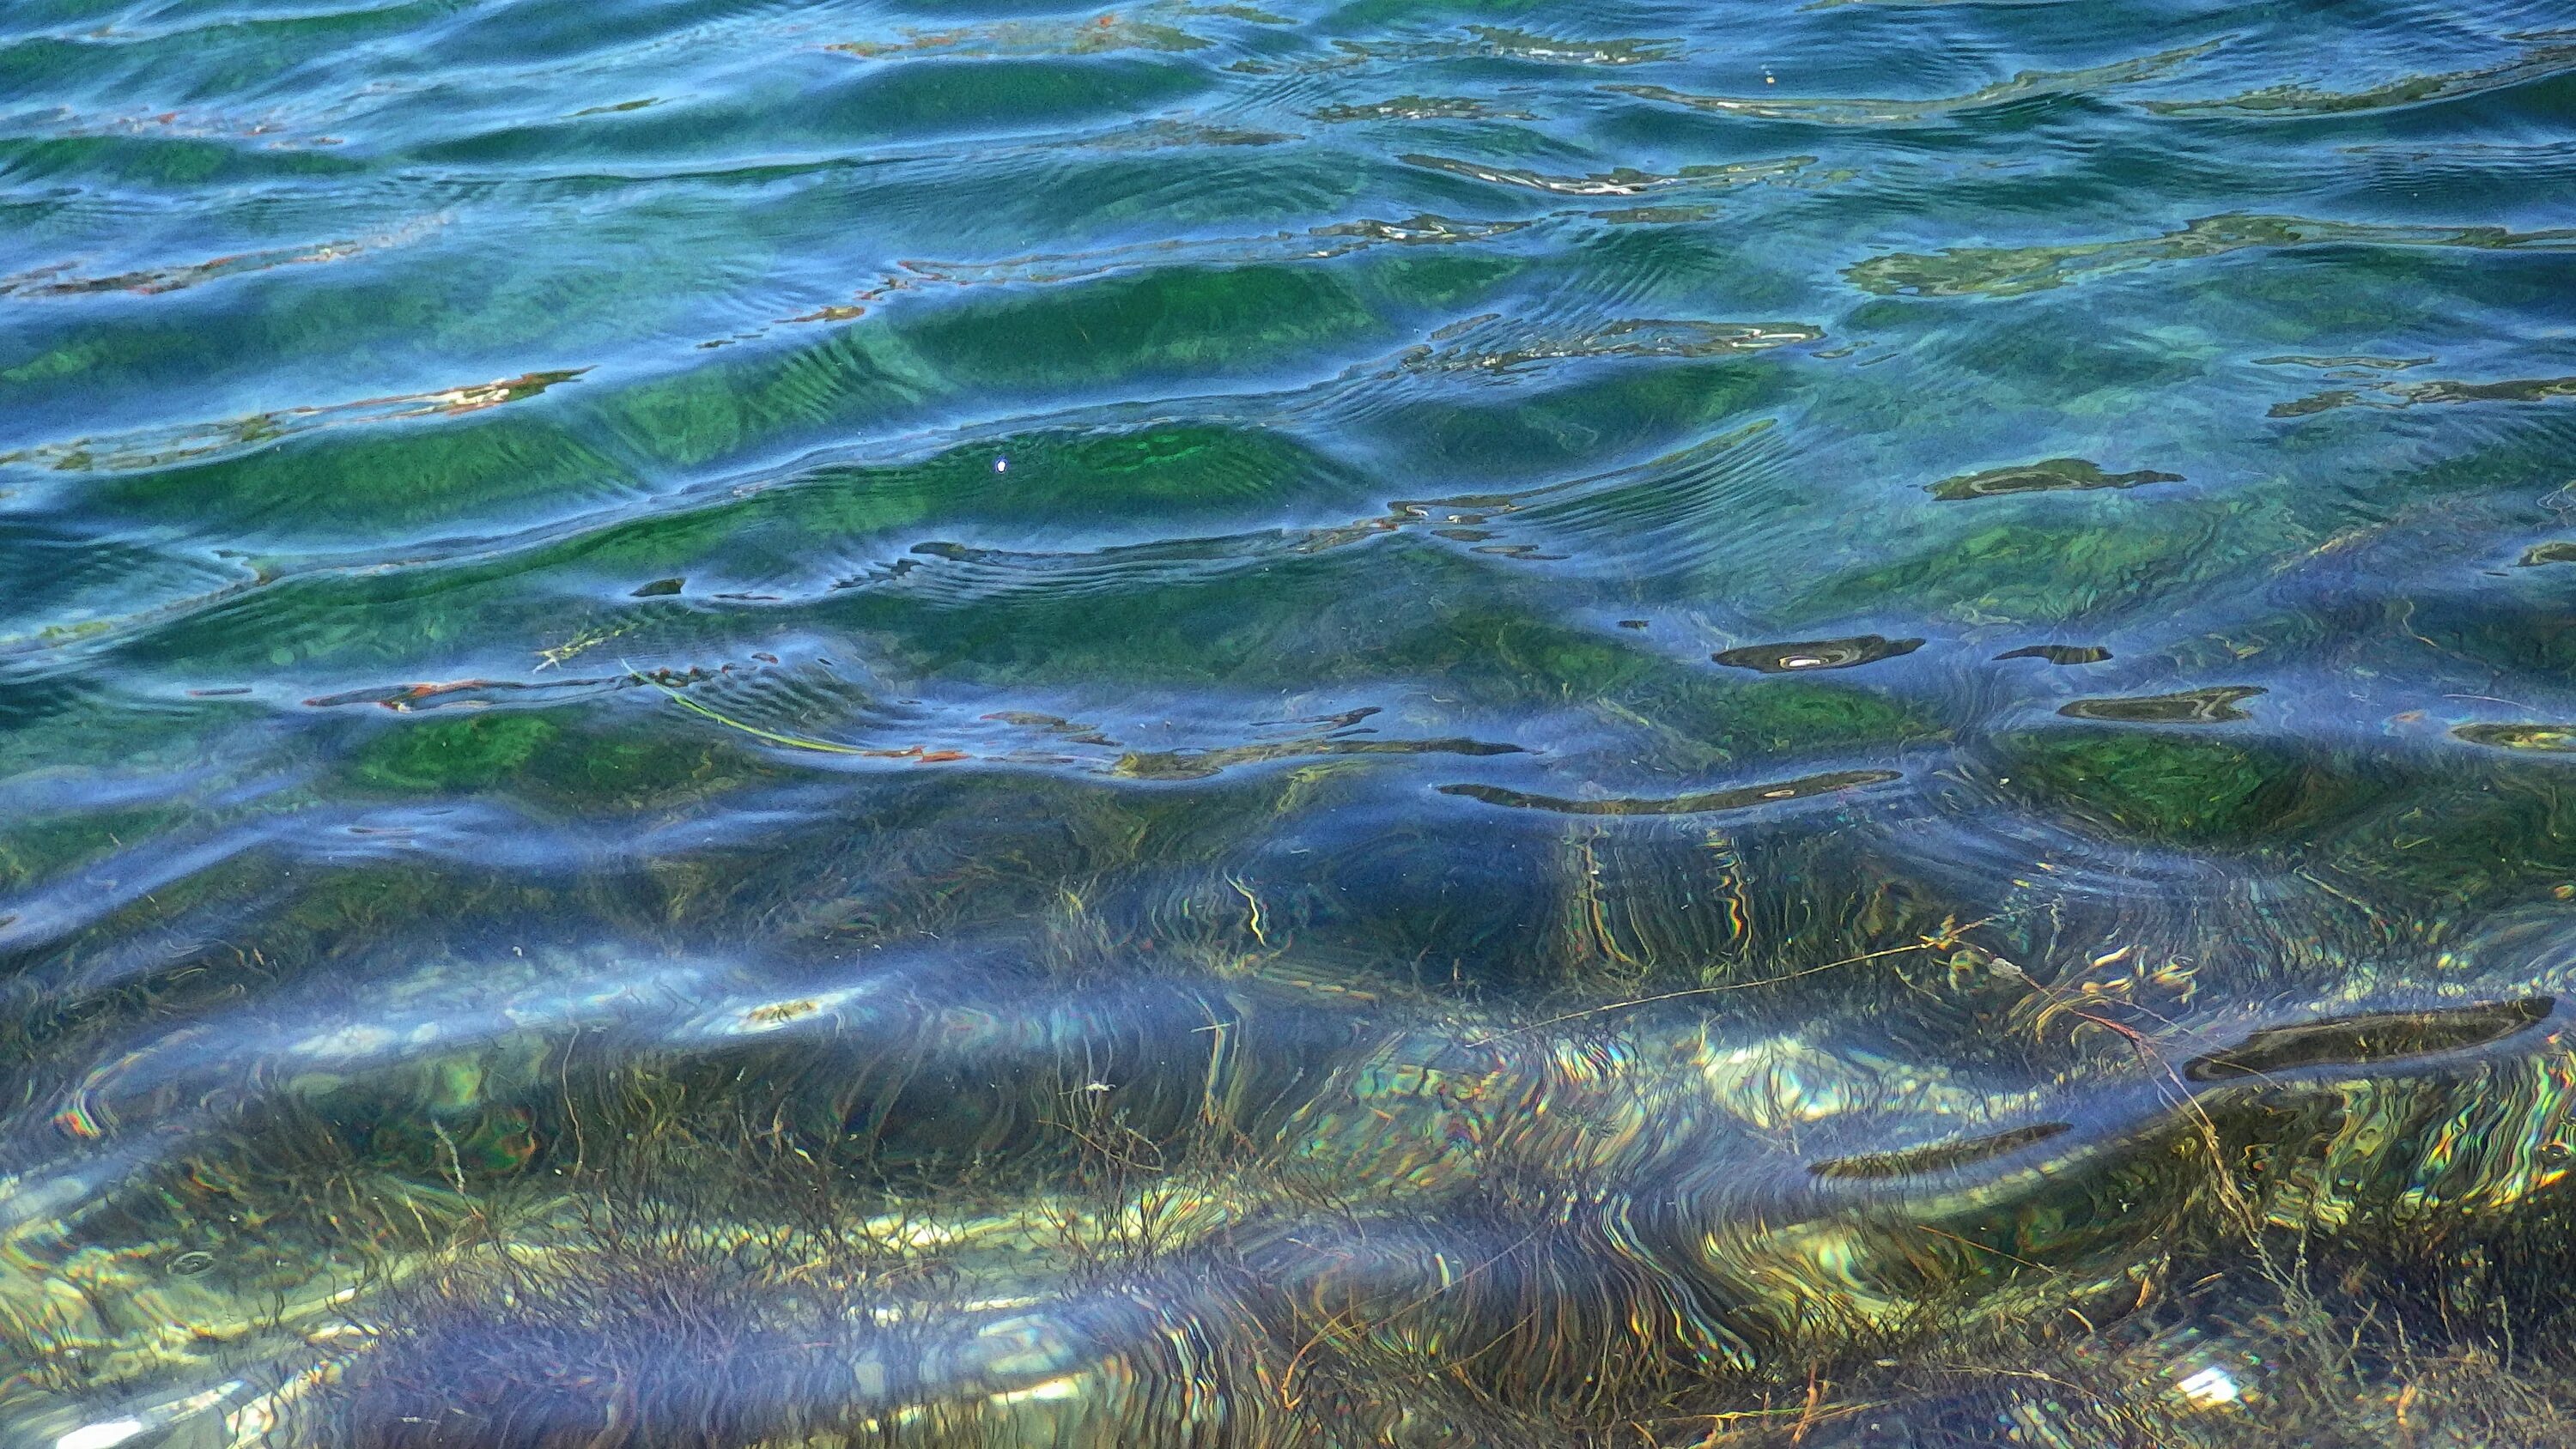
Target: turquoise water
1286,723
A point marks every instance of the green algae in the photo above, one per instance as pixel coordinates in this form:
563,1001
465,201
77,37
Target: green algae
2178,789
2036,569
473,753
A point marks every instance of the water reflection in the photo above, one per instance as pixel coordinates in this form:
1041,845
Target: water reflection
1227,724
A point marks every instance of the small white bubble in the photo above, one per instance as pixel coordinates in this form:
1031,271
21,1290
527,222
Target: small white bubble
1001,465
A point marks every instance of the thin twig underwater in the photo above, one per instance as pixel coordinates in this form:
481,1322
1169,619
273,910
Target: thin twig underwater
785,741
1943,941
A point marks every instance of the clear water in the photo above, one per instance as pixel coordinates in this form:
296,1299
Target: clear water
1286,723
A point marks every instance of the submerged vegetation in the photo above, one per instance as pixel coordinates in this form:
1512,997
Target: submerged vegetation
1179,1166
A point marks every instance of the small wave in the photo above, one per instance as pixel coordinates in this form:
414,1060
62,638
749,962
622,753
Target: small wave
1705,802
1816,654
2370,1038
2049,475
1619,181
51,281
1419,108
2024,85
1148,27
2291,101
1495,42
2215,704
1940,1156
2415,394
2062,654
1511,349
1319,243
2012,271
2547,739
1199,764
150,448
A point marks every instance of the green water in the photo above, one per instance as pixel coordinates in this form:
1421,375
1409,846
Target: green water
729,722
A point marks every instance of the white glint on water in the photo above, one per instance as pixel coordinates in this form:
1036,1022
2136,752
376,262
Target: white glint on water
2209,1388
101,1435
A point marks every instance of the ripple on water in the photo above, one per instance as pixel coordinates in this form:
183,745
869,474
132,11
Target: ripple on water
1816,654
2050,475
2214,704
1152,725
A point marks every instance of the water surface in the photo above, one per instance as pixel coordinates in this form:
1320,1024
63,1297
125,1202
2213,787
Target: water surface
1286,723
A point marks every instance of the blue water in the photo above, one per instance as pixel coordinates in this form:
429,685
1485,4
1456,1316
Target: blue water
1286,723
